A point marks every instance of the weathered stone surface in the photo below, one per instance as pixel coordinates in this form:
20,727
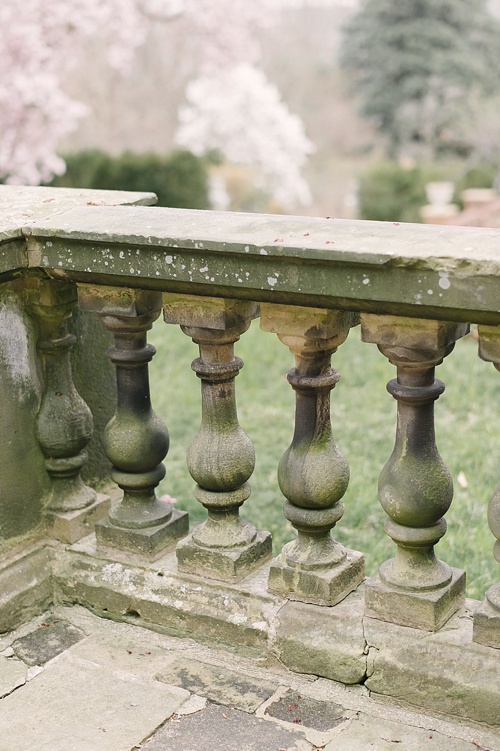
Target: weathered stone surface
156,595
51,638
487,624
428,610
374,734
12,675
377,267
306,711
227,565
229,729
25,586
220,685
321,587
151,542
71,526
444,672
328,642
95,709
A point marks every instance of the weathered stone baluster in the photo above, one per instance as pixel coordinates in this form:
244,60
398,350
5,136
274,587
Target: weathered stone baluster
313,473
135,439
415,487
486,629
221,457
64,421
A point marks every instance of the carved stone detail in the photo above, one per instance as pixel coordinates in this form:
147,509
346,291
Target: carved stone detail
415,487
486,629
313,473
221,457
64,422
136,440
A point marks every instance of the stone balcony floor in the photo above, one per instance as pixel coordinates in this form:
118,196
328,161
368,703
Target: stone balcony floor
70,681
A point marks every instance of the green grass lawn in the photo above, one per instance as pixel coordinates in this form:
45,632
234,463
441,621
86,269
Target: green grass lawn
363,419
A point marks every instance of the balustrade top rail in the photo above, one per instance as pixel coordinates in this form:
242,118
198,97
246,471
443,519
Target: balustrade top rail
448,273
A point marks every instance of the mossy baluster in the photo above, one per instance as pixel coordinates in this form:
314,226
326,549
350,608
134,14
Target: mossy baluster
221,457
313,474
486,628
415,487
136,440
64,421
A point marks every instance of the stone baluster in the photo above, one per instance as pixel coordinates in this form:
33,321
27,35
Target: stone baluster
486,628
221,456
64,422
415,487
135,439
313,474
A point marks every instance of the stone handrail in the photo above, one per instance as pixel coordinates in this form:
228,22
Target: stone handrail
414,289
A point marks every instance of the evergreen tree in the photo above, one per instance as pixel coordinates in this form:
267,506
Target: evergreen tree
418,66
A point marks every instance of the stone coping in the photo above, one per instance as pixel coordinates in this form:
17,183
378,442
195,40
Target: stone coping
423,271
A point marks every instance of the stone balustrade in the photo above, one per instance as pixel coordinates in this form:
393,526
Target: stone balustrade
413,289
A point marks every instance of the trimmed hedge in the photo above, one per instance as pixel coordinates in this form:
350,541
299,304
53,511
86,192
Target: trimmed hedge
180,180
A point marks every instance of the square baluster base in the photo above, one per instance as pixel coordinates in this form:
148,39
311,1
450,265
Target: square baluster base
149,542
70,526
425,610
486,628
317,586
229,565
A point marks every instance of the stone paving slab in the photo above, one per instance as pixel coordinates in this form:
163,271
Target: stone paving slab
76,705
12,675
101,694
219,728
218,684
50,638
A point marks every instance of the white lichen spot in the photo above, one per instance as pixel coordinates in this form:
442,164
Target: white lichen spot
240,280
212,279
169,259
157,273
132,271
259,625
138,252
205,268
263,252
444,282
366,280
430,292
238,619
247,249
271,281
122,254
183,266
49,244
106,263
60,263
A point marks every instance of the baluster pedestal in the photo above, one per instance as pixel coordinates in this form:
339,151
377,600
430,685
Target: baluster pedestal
486,628
221,457
313,474
415,487
135,439
64,421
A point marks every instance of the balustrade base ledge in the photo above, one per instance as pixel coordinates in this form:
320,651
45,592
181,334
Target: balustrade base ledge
149,542
444,673
229,565
487,626
70,526
426,610
25,585
320,587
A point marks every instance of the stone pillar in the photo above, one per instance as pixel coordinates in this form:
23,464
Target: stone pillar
313,474
221,457
64,422
486,629
415,487
135,439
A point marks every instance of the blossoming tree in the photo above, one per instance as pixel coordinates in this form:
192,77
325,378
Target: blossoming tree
230,105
